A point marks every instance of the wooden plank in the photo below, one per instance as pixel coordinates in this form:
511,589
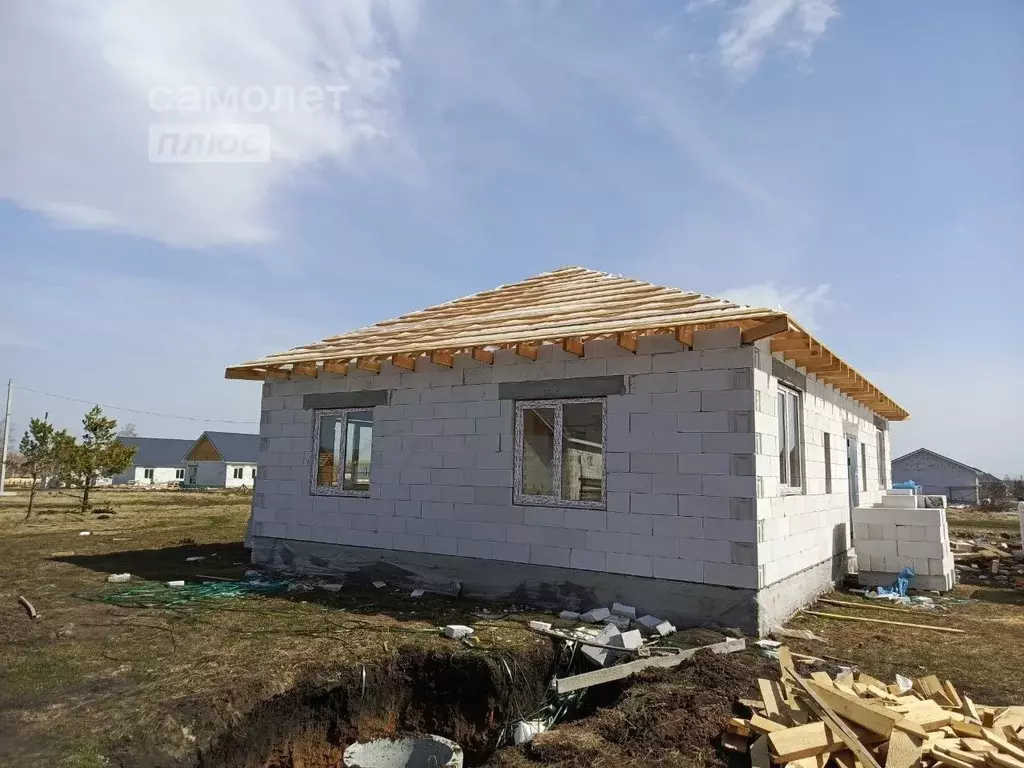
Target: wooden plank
305,369
883,621
929,719
244,374
754,705
627,341
619,671
791,345
967,730
969,709
997,760
482,355
951,694
764,725
834,721
846,759
446,359
1002,744
822,678
875,719
759,753
904,750
909,726
368,364
786,664
684,336
764,330
526,350
971,758
404,361
816,761
339,367
739,726
804,741
947,758
771,695
278,373
573,347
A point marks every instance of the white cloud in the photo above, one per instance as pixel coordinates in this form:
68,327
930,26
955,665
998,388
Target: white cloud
77,78
803,304
759,25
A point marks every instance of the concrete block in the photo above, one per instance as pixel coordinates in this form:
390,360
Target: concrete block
729,485
716,338
920,549
494,460
437,511
637,565
676,402
492,495
601,656
475,548
899,502
628,522
679,527
657,546
708,550
712,421
729,575
553,517
861,531
874,548
457,494
727,358
655,504
740,442
727,400
488,477
678,570
595,615
875,532
569,616
914,533
617,502
425,493
629,364
667,442
673,483
607,541
620,609
630,640
672,362
628,482
664,629
648,621
653,463
545,555
730,530
487,531
408,542
586,519
652,423
457,631
588,560
653,383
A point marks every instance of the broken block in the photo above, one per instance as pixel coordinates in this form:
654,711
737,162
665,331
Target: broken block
624,610
457,631
600,656
595,615
569,615
664,629
629,640
622,622
543,626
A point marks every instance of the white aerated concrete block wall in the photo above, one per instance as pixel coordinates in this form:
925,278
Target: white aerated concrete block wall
800,530
681,481
889,538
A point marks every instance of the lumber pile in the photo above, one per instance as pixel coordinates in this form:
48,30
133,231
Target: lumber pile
857,721
979,561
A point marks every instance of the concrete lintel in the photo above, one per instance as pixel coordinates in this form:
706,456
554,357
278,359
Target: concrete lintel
364,399
592,386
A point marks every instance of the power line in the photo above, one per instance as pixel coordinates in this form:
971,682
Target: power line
132,410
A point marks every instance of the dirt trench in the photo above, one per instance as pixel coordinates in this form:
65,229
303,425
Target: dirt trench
467,697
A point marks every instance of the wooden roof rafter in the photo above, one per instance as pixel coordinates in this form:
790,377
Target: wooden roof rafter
568,307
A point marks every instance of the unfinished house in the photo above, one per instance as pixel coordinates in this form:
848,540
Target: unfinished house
570,440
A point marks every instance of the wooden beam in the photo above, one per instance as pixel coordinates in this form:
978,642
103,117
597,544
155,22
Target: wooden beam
627,341
882,621
573,346
440,357
791,345
339,367
684,335
764,330
482,355
822,710
278,373
805,741
619,671
305,369
368,364
526,350
244,374
408,362
856,710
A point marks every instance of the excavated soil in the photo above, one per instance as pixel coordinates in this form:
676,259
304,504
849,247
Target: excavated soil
660,718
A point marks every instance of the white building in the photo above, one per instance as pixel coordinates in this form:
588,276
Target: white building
221,460
157,461
574,439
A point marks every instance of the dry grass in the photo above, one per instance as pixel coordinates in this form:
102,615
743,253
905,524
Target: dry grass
89,676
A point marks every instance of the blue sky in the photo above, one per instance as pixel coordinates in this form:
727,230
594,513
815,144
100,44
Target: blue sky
859,164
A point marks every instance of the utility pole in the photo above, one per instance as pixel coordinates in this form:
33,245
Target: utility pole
7,431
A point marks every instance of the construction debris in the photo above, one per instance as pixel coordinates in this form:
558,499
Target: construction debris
800,634
624,610
457,631
569,615
119,578
883,621
595,615
28,607
984,561
857,720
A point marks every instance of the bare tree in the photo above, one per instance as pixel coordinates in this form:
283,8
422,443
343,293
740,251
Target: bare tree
128,430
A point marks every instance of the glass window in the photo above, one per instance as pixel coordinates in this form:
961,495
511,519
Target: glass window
237,473
179,474
560,452
828,463
790,460
344,441
147,474
863,466
880,441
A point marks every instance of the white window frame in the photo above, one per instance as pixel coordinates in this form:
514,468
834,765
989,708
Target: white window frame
179,474
149,474
827,446
880,457
786,487
555,500
238,473
336,490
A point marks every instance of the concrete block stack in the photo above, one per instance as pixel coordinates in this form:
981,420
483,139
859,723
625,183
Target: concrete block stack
900,532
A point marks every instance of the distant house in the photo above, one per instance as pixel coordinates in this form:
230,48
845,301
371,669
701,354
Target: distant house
938,474
222,460
158,460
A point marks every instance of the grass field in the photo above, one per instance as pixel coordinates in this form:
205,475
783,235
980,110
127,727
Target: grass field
150,683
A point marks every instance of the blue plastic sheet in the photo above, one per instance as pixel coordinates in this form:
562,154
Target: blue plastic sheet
899,587
906,485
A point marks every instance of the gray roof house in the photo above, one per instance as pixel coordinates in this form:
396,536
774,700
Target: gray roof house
222,460
158,460
938,474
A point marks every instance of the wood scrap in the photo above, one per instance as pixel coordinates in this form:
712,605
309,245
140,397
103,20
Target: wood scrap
904,750
851,739
883,621
28,607
850,604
